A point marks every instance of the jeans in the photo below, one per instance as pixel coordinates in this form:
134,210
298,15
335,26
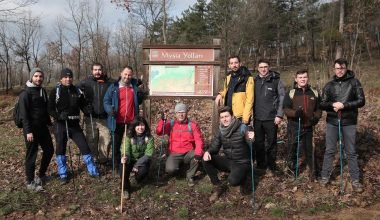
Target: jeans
348,142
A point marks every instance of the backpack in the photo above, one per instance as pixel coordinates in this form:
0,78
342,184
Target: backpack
16,112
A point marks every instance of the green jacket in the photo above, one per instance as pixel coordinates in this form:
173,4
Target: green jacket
135,151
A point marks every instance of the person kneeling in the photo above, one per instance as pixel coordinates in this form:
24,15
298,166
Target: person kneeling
138,151
232,136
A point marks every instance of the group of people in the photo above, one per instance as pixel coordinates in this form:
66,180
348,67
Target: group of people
250,111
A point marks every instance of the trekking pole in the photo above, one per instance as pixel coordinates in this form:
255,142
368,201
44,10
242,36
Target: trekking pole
298,144
162,144
252,176
340,151
113,142
70,156
123,175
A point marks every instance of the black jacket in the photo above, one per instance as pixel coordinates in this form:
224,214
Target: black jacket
269,97
347,90
94,91
33,102
70,99
234,143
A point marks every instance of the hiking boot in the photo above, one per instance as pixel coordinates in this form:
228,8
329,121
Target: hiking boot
357,186
190,182
41,180
218,191
64,180
323,181
34,187
126,194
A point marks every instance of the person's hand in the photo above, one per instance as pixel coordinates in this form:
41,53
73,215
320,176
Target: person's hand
113,113
29,137
135,170
277,120
299,113
164,115
338,106
197,158
206,156
219,100
124,160
251,135
63,116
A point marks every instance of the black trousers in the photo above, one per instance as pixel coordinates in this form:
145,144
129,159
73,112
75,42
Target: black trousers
75,133
118,137
306,145
265,152
238,171
143,170
41,136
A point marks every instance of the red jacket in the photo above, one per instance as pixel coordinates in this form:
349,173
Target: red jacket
181,140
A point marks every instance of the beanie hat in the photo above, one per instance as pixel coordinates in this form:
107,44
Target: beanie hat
34,70
66,72
180,107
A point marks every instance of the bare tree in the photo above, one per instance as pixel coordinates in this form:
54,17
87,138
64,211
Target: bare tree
339,49
5,55
9,9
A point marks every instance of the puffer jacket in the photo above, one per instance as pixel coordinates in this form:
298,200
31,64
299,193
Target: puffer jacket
135,149
347,90
242,97
309,100
33,102
233,141
269,97
182,139
94,91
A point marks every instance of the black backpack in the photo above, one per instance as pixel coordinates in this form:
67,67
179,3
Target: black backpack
16,112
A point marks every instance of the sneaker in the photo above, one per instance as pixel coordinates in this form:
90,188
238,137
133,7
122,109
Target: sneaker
41,180
357,186
190,182
218,191
126,194
34,187
323,181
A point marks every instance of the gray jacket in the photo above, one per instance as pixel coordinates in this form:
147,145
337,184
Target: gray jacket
269,97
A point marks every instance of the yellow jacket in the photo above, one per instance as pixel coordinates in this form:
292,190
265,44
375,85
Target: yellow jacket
242,98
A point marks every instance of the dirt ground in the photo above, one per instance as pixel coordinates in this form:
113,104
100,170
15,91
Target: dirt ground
170,198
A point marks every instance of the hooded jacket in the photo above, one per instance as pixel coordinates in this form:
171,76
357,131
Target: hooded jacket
233,140
94,91
242,93
347,90
269,97
33,103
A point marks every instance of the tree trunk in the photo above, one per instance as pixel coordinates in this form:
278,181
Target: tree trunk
339,49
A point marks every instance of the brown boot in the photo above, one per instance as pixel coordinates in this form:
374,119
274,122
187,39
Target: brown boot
217,192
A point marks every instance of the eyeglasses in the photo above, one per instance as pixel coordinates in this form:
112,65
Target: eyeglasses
341,68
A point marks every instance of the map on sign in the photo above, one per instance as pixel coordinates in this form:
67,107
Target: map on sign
183,80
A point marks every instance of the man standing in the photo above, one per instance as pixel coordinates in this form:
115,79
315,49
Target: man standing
268,113
97,134
185,143
237,91
121,102
33,103
233,137
341,98
65,103
301,107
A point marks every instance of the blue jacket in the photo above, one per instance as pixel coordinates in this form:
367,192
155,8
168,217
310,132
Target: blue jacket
111,101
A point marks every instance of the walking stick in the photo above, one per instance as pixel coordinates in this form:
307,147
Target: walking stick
252,177
162,143
123,175
340,151
113,142
298,144
70,156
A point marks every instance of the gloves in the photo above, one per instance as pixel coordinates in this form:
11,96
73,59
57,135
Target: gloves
87,109
299,113
63,116
197,158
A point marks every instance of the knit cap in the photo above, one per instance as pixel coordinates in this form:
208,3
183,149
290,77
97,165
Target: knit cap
66,72
33,71
180,107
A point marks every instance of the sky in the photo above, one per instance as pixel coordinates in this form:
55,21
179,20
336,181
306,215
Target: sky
48,10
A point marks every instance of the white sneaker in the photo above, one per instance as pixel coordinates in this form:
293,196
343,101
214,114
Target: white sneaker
34,187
